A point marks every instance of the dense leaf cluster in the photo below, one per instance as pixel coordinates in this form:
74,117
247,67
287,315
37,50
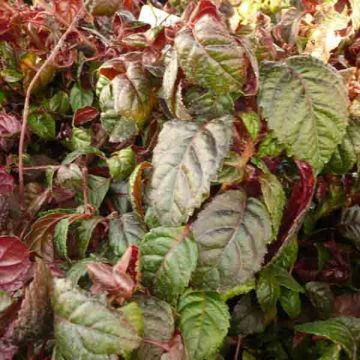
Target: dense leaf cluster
179,181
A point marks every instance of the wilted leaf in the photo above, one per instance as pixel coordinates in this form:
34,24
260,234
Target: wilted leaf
168,257
204,322
314,126
231,233
125,230
185,160
34,319
14,263
84,325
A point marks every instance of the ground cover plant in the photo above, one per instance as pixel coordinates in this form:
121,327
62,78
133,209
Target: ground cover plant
181,190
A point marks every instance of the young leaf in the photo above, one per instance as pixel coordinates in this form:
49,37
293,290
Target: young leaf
290,301
185,161
158,325
314,126
168,257
80,97
121,163
231,233
211,57
43,125
60,237
98,188
204,322
125,230
86,327
344,331
14,263
60,102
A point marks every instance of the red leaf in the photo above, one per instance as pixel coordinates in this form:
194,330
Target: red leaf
117,281
295,209
9,126
7,183
205,7
14,263
85,115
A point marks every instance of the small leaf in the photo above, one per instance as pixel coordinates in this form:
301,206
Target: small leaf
252,123
168,257
84,325
121,163
288,255
98,188
60,103
80,98
290,301
314,126
7,182
344,331
247,317
80,138
125,230
231,233
350,224
42,124
158,325
321,297
14,263
34,319
85,115
204,322
84,233
60,237
186,159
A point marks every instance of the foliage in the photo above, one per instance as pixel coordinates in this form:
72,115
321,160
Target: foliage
183,188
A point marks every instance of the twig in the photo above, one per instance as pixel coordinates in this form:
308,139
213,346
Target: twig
238,347
45,64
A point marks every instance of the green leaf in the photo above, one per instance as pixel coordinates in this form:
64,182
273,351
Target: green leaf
204,322
247,317
274,197
133,314
98,187
232,170
344,331
252,123
69,158
346,154
80,138
11,75
231,233
285,279
158,325
84,233
60,236
297,108
119,128
270,147
211,57
79,269
80,97
60,102
42,124
355,15
133,93
125,230
321,297
290,301
186,159
69,176
268,291
85,328
121,163
288,255
332,352
168,257
350,224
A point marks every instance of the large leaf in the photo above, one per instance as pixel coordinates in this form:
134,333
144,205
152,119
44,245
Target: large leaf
211,57
85,328
294,97
231,234
344,331
158,325
14,263
204,322
185,161
168,257
124,230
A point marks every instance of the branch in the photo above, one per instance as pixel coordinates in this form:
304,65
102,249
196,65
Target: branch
45,64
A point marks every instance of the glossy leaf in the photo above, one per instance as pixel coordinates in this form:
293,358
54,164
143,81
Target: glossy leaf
168,258
204,322
86,327
231,233
314,126
125,230
185,161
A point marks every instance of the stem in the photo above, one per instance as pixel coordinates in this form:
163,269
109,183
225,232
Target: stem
238,347
45,64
